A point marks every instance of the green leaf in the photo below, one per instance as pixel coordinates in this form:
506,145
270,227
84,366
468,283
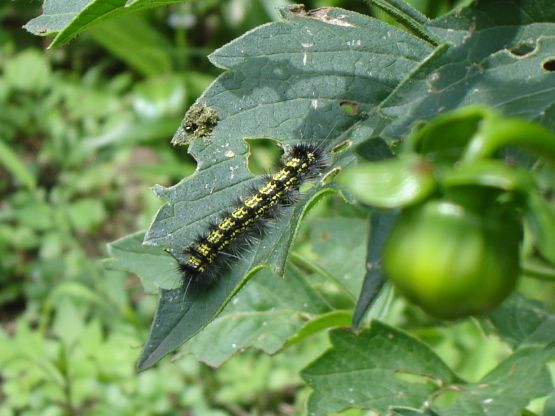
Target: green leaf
506,390
342,243
280,84
160,96
541,220
133,40
15,166
181,313
375,369
391,183
156,268
384,367
67,19
549,408
86,213
447,136
483,15
490,173
266,312
381,225
522,322
411,18
486,66
28,71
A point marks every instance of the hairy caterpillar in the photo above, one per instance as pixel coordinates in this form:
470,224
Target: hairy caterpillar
206,258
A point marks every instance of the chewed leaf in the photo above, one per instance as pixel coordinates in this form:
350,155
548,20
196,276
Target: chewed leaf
376,368
155,267
285,81
481,70
289,90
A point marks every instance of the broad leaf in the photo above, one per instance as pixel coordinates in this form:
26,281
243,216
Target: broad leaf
521,322
341,243
375,369
385,368
286,81
266,312
499,61
506,390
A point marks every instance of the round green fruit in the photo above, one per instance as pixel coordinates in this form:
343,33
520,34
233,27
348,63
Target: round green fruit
452,260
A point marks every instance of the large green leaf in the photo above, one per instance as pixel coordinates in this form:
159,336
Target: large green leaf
287,81
385,368
507,389
266,312
375,369
67,19
521,322
498,58
341,243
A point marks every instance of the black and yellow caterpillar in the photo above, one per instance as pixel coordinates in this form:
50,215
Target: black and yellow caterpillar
224,239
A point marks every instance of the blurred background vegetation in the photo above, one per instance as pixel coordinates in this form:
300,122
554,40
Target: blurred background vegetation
84,134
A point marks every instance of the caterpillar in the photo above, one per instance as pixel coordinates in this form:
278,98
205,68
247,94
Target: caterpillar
207,257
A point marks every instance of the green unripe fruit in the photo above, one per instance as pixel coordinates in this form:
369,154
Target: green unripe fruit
453,260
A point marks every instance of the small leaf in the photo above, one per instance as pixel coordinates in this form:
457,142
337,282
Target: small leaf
391,183
447,135
159,97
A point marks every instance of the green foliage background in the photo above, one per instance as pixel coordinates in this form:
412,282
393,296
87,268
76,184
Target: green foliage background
85,134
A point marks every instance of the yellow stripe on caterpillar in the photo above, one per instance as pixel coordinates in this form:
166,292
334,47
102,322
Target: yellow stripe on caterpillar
301,162
227,224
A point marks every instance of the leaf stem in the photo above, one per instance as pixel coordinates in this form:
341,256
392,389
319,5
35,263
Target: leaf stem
496,132
409,17
538,271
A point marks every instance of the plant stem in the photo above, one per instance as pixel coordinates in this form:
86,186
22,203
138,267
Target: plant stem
496,132
538,271
409,17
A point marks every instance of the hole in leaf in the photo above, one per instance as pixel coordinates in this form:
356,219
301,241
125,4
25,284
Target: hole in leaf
264,155
522,48
344,145
328,177
412,378
549,65
349,107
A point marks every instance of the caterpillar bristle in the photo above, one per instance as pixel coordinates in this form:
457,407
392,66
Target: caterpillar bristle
239,228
